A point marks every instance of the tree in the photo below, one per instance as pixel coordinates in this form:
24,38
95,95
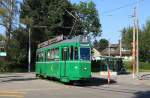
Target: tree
19,46
144,41
88,15
127,35
101,44
8,19
2,37
8,16
95,44
48,13
54,15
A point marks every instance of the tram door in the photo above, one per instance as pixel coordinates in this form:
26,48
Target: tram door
65,58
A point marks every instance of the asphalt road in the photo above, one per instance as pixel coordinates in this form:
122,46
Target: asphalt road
25,85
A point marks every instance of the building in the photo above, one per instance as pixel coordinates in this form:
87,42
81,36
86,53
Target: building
2,50
96,54
115,50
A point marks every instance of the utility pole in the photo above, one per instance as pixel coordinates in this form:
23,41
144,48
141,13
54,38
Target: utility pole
133,44
109,49
137,39
29,51
120,47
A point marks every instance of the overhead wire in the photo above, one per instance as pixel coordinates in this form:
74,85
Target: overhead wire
121,7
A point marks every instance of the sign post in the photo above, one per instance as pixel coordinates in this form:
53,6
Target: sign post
108,74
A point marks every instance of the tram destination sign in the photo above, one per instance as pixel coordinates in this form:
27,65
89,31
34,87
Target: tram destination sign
51,41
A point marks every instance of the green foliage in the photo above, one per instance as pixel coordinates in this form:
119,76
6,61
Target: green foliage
127,37
101,45
49,18
3,67
8,12
46,19
50,13
144,40
88,14
2,37
12,67
18,51
2,11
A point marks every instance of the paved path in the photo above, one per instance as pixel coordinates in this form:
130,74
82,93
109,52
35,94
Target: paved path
25,85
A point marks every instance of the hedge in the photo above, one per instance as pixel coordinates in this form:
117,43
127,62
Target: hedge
14,67
142,65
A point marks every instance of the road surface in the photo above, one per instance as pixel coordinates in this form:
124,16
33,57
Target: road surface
25,85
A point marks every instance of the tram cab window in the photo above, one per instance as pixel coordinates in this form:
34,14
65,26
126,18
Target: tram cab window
76,53
84,53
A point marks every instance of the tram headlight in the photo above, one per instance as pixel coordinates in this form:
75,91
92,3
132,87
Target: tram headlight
76,67
85,68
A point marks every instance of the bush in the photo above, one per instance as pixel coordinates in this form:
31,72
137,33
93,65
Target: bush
13,67
3,67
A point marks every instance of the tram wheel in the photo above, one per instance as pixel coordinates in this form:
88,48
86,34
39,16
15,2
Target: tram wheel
37,76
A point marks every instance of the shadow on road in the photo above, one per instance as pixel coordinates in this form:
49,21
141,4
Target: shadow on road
19,79
96,84
142,94
94,81
9,76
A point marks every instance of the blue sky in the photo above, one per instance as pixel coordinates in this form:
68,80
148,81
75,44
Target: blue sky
113,21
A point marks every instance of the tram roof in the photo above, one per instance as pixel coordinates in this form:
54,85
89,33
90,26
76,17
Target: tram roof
77,39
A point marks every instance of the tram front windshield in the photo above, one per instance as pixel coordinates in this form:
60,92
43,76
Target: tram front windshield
84,53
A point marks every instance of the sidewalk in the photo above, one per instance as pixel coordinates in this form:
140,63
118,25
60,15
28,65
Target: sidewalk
128,78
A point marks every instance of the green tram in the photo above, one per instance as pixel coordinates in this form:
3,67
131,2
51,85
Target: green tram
67,60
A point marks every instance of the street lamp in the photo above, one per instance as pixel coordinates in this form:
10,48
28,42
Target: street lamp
29,50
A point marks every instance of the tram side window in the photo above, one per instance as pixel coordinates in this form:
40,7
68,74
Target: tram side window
40,57
56,54
71,53
76,53
65,55
52,54
49,55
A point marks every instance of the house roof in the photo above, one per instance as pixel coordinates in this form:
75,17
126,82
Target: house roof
96,53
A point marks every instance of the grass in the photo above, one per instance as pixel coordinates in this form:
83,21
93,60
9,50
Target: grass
143,66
